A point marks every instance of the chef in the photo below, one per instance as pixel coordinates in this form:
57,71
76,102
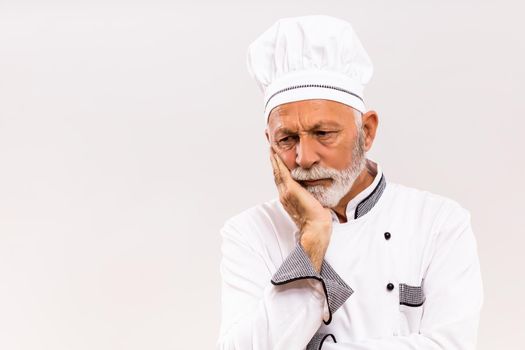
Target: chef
344,258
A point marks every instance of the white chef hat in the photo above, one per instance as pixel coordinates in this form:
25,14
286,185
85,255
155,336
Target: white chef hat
309,57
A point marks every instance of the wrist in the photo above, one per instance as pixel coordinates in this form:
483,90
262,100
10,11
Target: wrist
317,238
315,247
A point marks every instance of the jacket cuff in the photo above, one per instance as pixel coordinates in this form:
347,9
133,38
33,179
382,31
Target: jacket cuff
317,341
298,266
337,289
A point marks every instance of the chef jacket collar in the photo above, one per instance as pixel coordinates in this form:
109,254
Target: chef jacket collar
365,200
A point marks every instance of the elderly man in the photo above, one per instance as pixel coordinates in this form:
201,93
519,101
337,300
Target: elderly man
343,259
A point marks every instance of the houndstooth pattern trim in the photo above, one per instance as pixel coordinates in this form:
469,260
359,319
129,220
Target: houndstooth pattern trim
368,203
318,339
338,290
298,266
411,295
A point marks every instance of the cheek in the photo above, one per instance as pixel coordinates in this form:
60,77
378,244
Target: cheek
288,158
339,156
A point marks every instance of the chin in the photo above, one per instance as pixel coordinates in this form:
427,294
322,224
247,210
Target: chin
327,200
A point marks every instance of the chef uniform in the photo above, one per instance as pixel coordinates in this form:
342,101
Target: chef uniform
402,273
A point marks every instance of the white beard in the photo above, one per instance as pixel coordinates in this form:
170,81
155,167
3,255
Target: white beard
342,180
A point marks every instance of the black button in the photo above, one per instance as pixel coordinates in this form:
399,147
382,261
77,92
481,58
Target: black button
390,286
387,235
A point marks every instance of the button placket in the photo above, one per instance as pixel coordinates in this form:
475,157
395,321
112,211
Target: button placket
391,283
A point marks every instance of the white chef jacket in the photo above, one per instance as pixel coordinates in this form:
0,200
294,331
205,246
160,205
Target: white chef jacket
401,273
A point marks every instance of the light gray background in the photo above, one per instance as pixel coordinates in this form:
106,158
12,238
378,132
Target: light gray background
130,131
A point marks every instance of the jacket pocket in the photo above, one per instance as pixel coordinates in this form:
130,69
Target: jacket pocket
412,296
411,306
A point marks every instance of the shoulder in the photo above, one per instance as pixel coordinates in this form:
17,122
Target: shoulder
259,220
256,214
440,209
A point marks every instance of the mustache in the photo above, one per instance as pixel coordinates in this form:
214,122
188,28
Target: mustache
316,172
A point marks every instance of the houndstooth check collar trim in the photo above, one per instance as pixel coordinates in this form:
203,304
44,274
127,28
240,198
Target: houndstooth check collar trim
364,201
368,203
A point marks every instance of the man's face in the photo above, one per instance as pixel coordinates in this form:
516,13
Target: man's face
320,143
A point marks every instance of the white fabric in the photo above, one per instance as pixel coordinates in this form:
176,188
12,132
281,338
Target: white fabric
431,239
306,50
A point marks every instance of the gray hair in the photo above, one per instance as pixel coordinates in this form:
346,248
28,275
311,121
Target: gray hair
358,118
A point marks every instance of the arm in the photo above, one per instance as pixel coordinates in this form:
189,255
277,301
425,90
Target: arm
304,291
454,296
283,314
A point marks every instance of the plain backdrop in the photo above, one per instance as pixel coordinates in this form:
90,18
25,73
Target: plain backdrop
130,131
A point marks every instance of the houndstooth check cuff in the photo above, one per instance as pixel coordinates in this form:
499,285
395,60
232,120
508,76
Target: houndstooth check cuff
317,341
298,266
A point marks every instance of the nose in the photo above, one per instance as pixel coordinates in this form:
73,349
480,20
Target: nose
306,154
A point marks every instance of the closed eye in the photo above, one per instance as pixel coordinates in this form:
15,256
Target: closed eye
287,139
324,133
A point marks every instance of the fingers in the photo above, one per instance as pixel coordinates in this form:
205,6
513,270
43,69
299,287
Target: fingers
283,169
276,170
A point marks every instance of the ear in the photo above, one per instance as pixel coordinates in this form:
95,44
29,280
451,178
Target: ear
370,122
267,135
